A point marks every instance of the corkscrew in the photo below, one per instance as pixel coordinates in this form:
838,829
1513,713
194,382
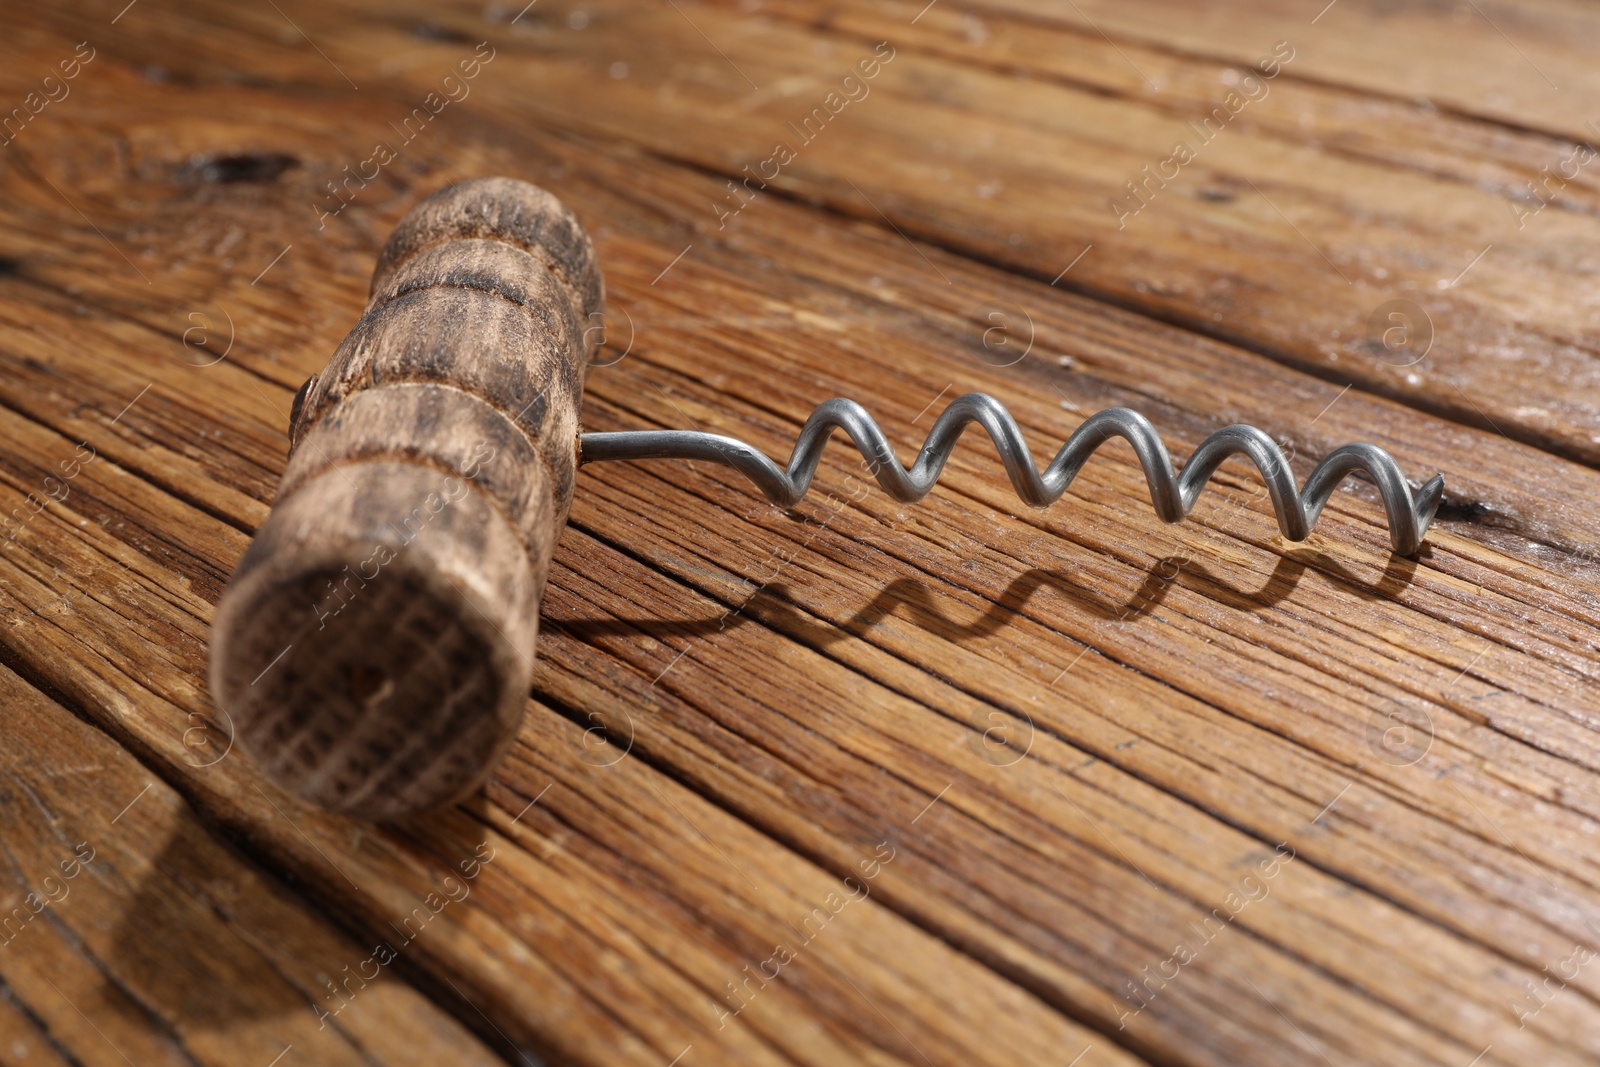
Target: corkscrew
374,647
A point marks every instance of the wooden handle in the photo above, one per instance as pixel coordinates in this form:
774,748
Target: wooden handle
374,648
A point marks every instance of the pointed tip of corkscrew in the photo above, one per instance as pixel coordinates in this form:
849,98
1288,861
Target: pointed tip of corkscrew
1429,497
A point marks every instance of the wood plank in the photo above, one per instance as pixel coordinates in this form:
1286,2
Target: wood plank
1179,259
24,1037
839,676
135,935
1520,65
1512,348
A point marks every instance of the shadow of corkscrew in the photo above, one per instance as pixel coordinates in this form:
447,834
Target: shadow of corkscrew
920,604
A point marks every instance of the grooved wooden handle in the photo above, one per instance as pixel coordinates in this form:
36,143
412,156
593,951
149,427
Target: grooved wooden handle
374,648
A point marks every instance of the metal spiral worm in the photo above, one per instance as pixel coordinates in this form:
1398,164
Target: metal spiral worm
1173,494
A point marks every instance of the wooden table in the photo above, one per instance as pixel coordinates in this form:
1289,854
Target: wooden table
861,782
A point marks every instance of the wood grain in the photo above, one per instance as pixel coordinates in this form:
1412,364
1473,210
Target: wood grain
1023,172
125,910
1078,730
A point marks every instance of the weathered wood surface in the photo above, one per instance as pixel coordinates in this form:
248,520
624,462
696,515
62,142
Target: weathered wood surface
177,949
1048,746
